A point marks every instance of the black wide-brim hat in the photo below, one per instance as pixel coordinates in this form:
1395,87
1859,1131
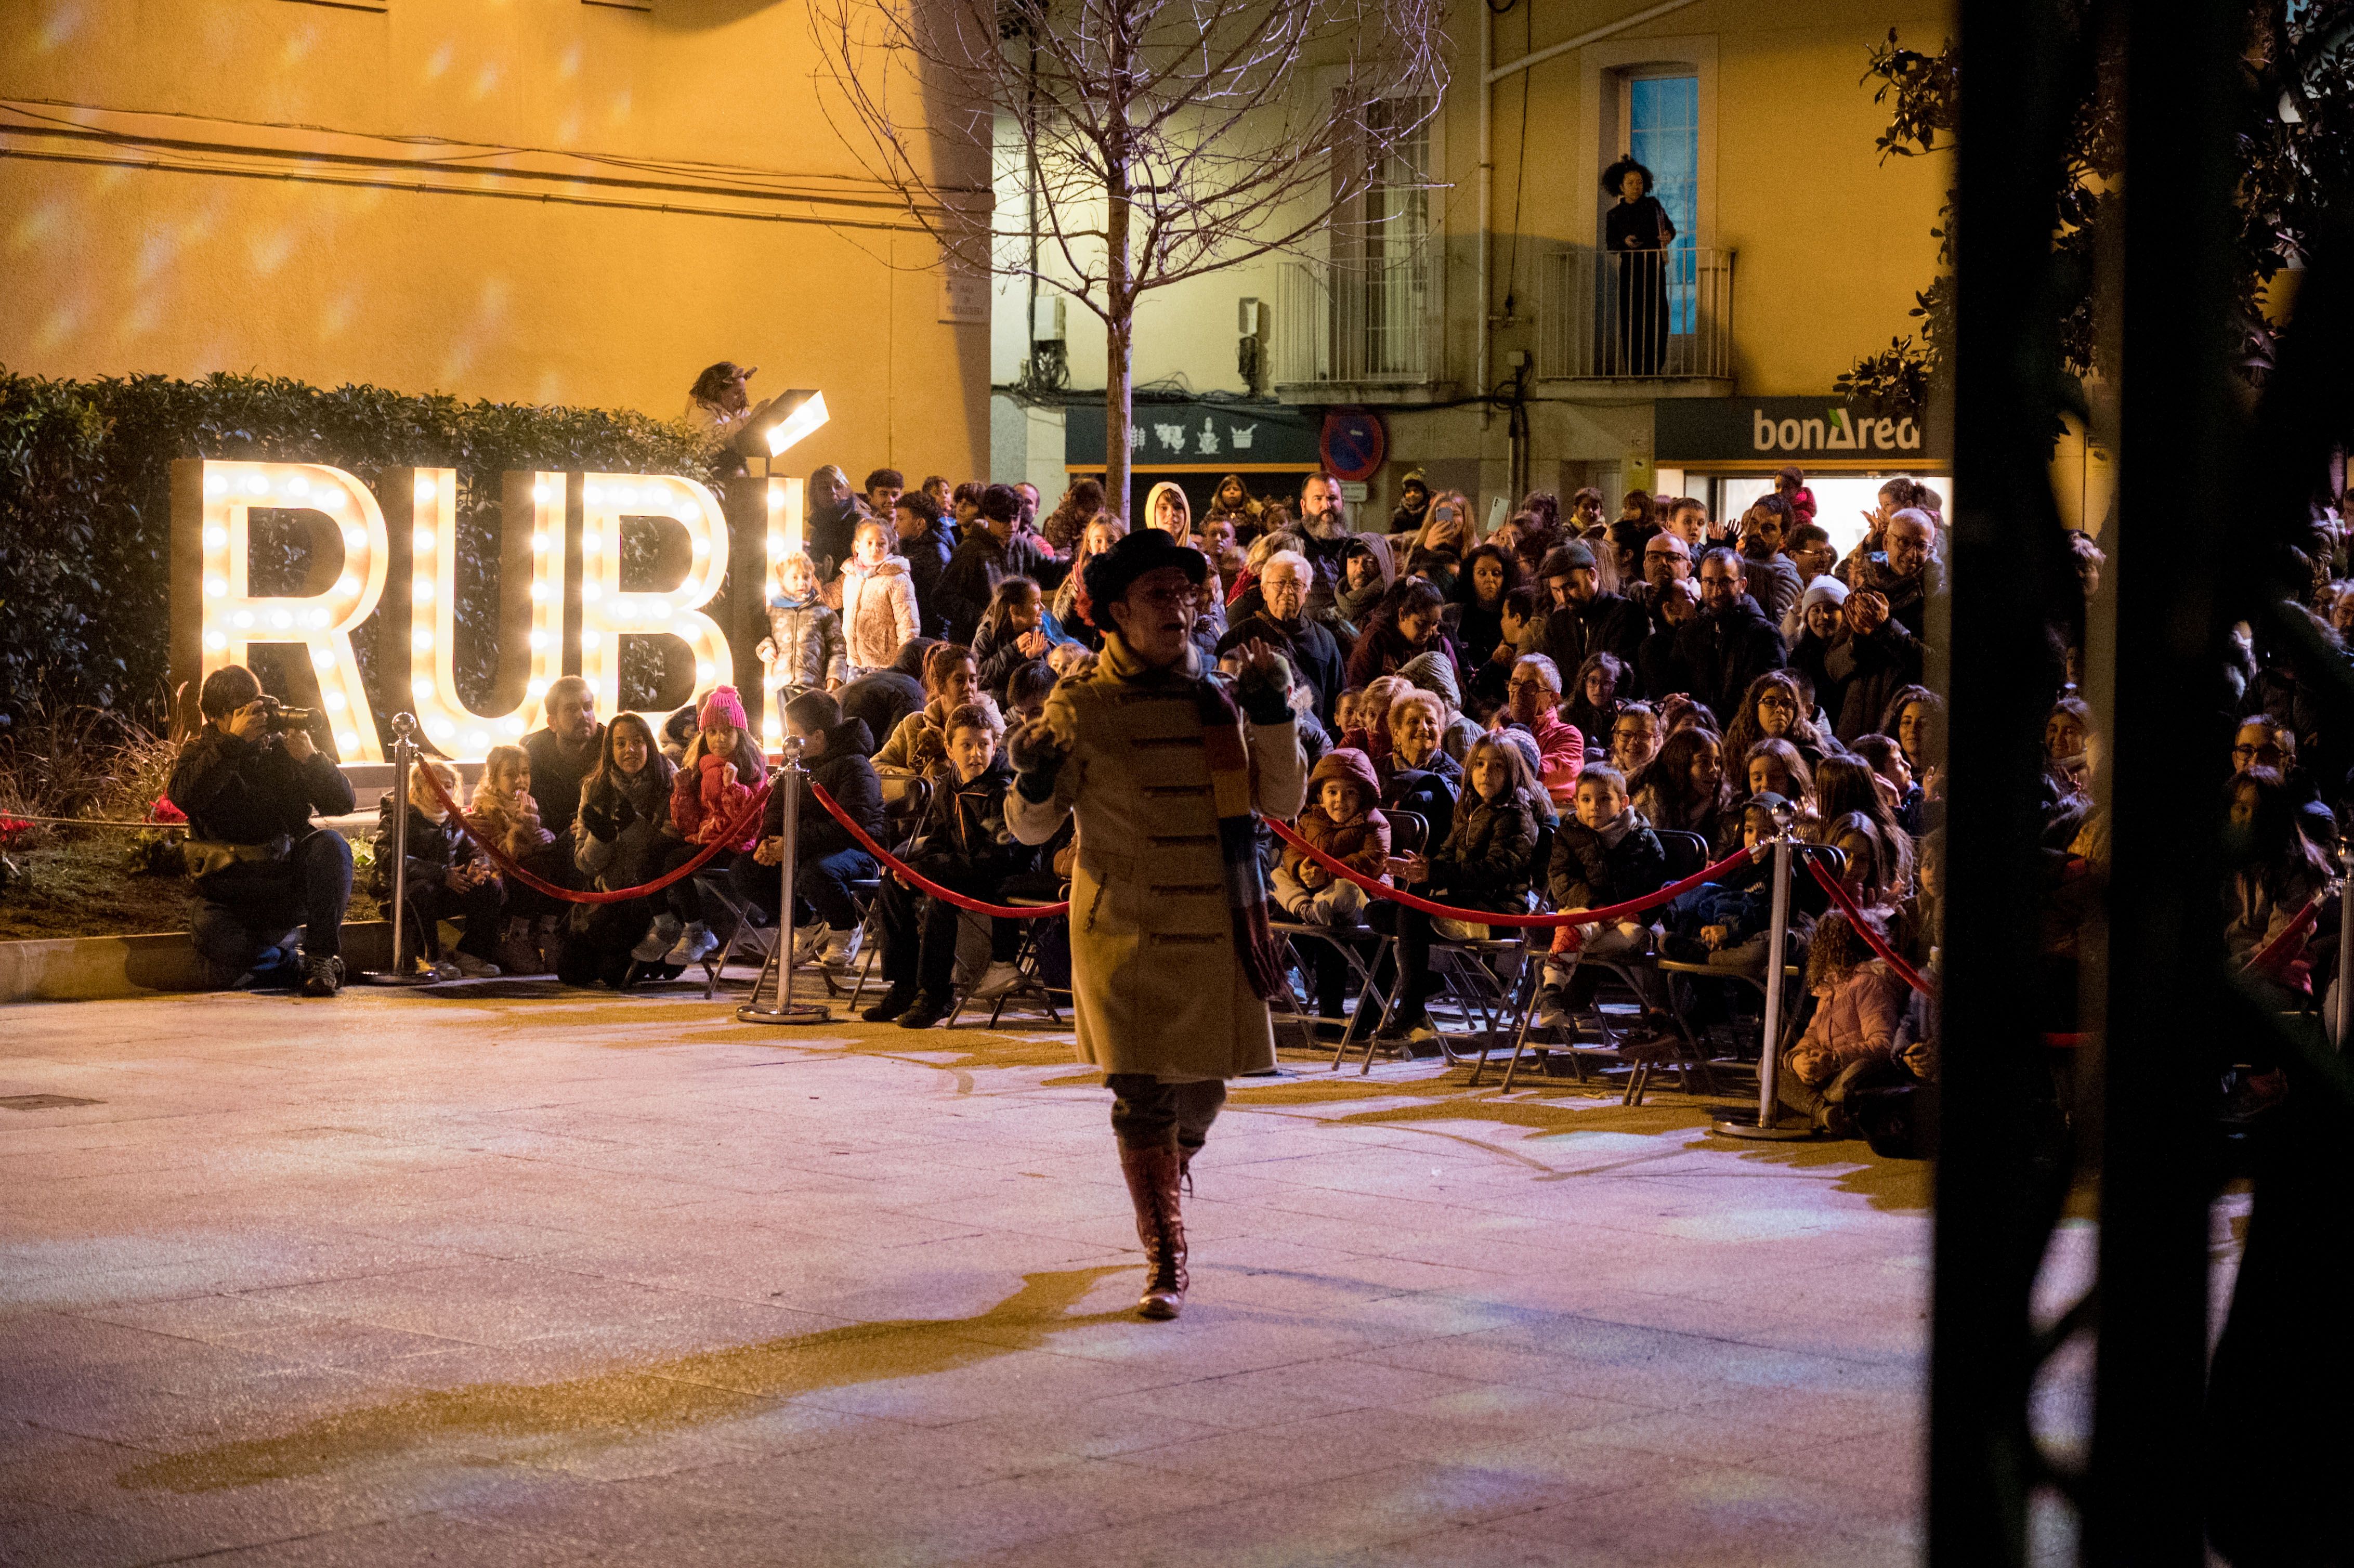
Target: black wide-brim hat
1108,575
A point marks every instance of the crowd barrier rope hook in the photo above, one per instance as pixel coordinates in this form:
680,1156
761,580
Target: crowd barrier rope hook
782,1007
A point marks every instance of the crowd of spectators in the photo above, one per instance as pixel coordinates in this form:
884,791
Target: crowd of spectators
1553,715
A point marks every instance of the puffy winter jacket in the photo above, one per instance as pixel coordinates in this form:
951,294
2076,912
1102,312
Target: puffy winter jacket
878,612
810,647
1855,1018
842,771
1589,873
1490,856
1718,654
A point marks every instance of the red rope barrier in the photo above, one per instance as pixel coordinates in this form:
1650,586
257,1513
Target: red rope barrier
909,874
2268,956
744,822
1489,917
1864,928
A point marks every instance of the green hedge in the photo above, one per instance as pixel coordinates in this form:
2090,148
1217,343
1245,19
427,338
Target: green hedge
85,511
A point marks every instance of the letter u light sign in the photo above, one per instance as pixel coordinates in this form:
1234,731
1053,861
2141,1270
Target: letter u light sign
562,603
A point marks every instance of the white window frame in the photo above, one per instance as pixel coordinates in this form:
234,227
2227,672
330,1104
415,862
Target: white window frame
1606,67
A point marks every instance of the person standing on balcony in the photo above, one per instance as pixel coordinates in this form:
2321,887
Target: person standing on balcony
1637,234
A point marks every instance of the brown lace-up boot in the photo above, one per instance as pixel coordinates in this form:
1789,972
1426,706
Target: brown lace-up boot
1152,1187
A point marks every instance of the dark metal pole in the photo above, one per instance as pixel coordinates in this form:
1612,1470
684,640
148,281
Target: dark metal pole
2179,433
1995,1116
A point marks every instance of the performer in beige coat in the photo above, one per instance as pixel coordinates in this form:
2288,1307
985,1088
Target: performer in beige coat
1171,960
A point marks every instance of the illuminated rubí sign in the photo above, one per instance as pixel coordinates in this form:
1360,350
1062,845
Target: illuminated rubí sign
563,608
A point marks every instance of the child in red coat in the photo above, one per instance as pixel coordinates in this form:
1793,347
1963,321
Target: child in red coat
716,780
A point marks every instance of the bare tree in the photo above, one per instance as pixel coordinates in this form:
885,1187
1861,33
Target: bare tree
1161,140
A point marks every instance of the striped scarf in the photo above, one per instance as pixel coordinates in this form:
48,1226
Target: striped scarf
1231,794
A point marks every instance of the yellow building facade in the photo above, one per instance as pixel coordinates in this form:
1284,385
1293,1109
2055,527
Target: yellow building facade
575,202
1805,249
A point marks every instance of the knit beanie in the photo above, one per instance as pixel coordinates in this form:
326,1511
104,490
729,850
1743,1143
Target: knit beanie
1824,590
722,704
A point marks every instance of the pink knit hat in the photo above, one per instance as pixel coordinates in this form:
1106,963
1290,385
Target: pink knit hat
722,704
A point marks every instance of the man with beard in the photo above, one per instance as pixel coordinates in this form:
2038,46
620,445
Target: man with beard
1579,618
1730,644
564,752
1323,526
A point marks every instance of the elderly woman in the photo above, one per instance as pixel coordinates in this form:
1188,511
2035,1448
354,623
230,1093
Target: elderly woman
1417,775
1173,961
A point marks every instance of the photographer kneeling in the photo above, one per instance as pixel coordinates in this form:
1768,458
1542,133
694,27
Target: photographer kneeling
249,784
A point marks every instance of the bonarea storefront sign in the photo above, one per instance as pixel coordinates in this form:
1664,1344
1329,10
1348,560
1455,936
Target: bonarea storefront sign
1821,432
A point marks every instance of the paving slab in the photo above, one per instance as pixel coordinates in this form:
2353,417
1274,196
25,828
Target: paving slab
519,1275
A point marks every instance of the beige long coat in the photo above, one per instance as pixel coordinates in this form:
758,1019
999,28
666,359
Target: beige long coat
1155,982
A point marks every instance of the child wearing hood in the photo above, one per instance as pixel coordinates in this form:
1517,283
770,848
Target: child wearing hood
1342,820
804,650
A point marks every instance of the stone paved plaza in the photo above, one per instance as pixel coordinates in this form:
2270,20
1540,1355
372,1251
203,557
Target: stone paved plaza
486,1276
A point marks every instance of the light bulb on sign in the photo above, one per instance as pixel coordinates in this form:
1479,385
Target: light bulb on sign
322,623
422,540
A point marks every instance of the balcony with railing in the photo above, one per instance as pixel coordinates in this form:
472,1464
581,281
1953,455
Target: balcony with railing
1360,333
1644,317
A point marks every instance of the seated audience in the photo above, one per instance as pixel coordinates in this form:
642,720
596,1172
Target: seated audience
1532,703
720,769
504,813
1015,630
1605,856
879,699
622,837
447,879
920,744
562,753
966,846
826,858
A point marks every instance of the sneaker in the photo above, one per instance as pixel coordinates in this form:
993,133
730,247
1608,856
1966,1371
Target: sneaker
999,978
841,948
322,976
1553,1010
895,1001
663,932
807,942
695,944
924,1011
473,968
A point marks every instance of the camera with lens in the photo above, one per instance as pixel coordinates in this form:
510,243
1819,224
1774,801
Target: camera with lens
281,718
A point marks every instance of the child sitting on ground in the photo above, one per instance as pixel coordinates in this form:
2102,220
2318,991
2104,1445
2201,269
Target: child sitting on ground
1850,1040
1342,821
1605,854
805,649
447,880
505,814
964,845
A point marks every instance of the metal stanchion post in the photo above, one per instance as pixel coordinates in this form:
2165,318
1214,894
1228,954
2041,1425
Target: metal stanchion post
781,1008
1764,1122
404,759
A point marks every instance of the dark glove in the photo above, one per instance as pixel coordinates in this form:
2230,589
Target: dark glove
1265,697
1037,755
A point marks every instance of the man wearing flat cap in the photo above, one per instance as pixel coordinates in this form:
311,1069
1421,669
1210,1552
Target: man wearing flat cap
1173,961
